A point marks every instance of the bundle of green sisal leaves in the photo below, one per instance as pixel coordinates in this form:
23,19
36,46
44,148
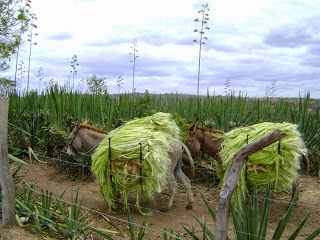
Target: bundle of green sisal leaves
279,162
125,170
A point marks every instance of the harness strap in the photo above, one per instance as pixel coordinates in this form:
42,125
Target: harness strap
71,141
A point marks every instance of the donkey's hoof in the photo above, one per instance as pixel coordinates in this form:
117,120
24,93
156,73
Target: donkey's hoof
189,207
164,209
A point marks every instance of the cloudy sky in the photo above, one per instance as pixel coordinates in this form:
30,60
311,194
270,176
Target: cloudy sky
253,44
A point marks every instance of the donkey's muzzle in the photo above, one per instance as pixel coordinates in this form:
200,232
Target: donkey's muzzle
70,152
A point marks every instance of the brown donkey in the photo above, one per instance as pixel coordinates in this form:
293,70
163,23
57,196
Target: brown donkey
209,141
205,140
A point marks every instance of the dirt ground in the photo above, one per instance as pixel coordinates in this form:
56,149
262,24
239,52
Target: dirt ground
17,233
56,180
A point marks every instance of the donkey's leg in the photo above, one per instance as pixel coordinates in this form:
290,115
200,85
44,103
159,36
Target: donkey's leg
173,189
185,159
186,182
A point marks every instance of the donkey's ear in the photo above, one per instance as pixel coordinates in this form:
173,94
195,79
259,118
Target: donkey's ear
196,119
194,125
86,121
74,126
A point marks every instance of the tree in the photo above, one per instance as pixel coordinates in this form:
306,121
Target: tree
134,58
96,85
204,20
14,21
7,86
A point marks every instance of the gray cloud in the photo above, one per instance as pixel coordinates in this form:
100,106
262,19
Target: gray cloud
294,35
222,47
288,37
60,36
252,53
158,67
313,61
108,42
252,61
157,38
152,38
314,49
108,65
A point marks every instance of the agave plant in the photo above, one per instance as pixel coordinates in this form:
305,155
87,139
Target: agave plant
131,227
246,225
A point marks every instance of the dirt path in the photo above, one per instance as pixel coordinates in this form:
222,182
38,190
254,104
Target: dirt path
56,180
17,233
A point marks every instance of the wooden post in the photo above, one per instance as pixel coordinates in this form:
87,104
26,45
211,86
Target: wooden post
7,185
232,176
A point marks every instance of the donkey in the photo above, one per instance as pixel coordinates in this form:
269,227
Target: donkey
89,137
205,140
209,141
84,136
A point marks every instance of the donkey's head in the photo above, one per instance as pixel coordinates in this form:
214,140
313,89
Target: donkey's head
192,141
75,142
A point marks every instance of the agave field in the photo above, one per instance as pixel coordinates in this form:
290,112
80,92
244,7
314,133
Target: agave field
42,122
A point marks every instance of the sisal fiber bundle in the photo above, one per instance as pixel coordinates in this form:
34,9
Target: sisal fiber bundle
155,135
277,163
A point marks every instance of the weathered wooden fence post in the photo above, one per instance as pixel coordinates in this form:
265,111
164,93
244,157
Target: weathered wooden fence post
7,185
232,177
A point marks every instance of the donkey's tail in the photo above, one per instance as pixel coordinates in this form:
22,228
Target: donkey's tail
186,149
306,162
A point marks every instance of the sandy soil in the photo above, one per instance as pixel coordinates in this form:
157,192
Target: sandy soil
17,233
56,180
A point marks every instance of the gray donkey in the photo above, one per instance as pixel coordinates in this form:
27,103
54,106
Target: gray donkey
89,137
